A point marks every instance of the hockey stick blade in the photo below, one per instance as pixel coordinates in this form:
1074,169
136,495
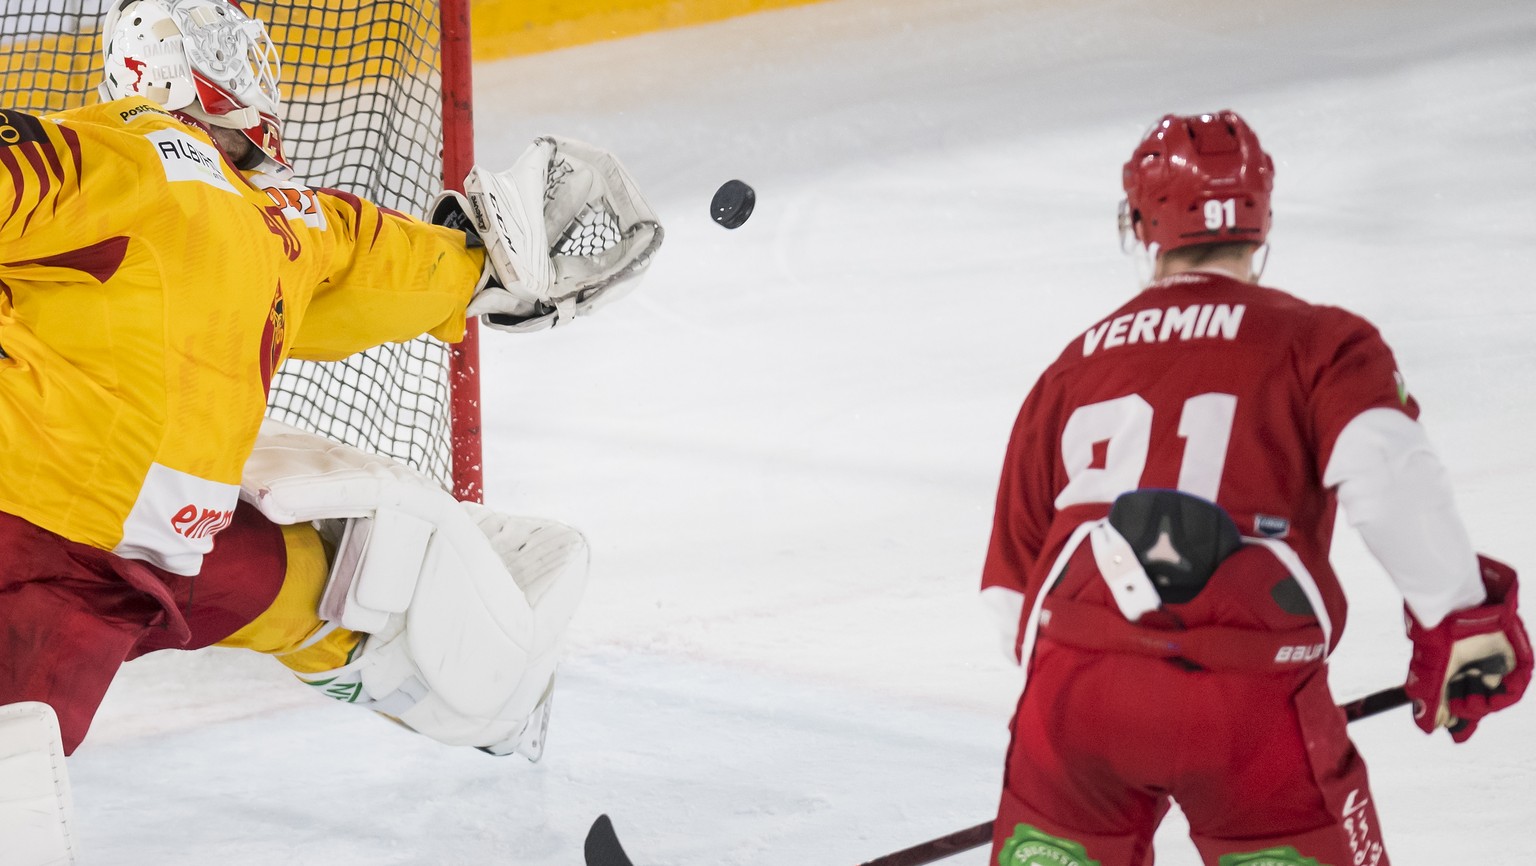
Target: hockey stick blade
974,837
602,847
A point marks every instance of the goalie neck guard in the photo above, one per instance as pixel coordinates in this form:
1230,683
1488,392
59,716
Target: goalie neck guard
203,58
1198,179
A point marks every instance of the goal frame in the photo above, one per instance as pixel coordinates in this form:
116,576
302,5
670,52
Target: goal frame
458,159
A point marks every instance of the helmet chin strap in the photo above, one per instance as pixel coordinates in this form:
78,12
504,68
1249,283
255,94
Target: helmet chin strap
1262,256
240,118
1144,257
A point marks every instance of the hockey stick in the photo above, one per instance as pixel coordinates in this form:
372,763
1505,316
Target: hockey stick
1375,702
603,847
974,837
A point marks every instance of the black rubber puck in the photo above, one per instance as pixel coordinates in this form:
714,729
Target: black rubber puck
732,203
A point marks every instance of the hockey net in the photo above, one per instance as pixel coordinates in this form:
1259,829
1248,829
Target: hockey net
363,84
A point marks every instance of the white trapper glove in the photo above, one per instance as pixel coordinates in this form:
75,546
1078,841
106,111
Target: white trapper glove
565,231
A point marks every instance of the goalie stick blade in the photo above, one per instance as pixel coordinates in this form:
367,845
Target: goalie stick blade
602,847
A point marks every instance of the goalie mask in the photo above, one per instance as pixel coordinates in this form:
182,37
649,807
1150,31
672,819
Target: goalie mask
202,58
1201,179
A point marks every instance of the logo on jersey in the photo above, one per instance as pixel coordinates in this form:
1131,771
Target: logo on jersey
1271,526
196,523
298,203
144,108
1364,840
1282,856
1030,847
188,159
273,335
277,224
1299,654
16,128
1196,322
347,691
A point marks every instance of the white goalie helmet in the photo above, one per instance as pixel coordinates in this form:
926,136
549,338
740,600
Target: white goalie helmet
203,58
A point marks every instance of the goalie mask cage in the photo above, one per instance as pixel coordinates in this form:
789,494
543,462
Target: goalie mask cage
377,103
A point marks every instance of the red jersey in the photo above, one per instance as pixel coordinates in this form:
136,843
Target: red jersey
1203,383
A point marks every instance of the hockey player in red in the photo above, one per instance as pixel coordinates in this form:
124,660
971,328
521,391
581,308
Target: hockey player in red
160,262
1162,529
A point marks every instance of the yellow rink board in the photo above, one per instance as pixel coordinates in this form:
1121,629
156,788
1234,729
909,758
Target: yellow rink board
507,28
317,42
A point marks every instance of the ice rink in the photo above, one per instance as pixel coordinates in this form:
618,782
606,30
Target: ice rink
784,447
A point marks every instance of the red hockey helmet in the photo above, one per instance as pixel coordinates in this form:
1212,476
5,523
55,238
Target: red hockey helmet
1200,179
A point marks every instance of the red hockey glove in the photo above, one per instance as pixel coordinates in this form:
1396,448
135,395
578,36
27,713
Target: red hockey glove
1475,662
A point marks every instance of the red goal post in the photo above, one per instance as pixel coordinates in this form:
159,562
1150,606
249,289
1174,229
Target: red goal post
377,102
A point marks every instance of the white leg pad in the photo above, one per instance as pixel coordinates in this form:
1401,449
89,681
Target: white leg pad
35,806
477,653
463,607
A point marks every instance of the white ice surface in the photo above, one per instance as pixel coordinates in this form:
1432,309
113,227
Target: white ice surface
784,447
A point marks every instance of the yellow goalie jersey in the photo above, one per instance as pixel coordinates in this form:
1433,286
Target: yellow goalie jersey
148,291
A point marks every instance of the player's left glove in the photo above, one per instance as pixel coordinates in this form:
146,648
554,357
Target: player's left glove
1475,662
565,231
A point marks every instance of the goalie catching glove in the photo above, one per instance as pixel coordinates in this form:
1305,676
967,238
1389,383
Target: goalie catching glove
565,231
1474,662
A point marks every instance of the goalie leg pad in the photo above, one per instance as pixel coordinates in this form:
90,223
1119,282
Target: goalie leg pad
35,805
465,606
472,661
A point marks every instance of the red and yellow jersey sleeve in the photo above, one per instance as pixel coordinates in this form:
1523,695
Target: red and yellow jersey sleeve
41,164
390,278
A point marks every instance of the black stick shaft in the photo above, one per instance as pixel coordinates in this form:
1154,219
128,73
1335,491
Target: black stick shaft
1375,702
937,849
974,837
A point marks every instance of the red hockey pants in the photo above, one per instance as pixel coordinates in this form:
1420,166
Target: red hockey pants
1103,741
71,614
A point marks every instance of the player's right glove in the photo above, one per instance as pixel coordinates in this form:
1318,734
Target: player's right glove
565,231
1475,662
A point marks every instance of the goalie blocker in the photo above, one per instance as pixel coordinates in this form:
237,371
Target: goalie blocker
565,231
463,607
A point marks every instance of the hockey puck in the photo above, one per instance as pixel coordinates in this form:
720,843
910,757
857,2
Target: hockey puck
732,203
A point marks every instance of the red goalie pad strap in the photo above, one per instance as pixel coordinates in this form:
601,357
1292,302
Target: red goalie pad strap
1217,648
